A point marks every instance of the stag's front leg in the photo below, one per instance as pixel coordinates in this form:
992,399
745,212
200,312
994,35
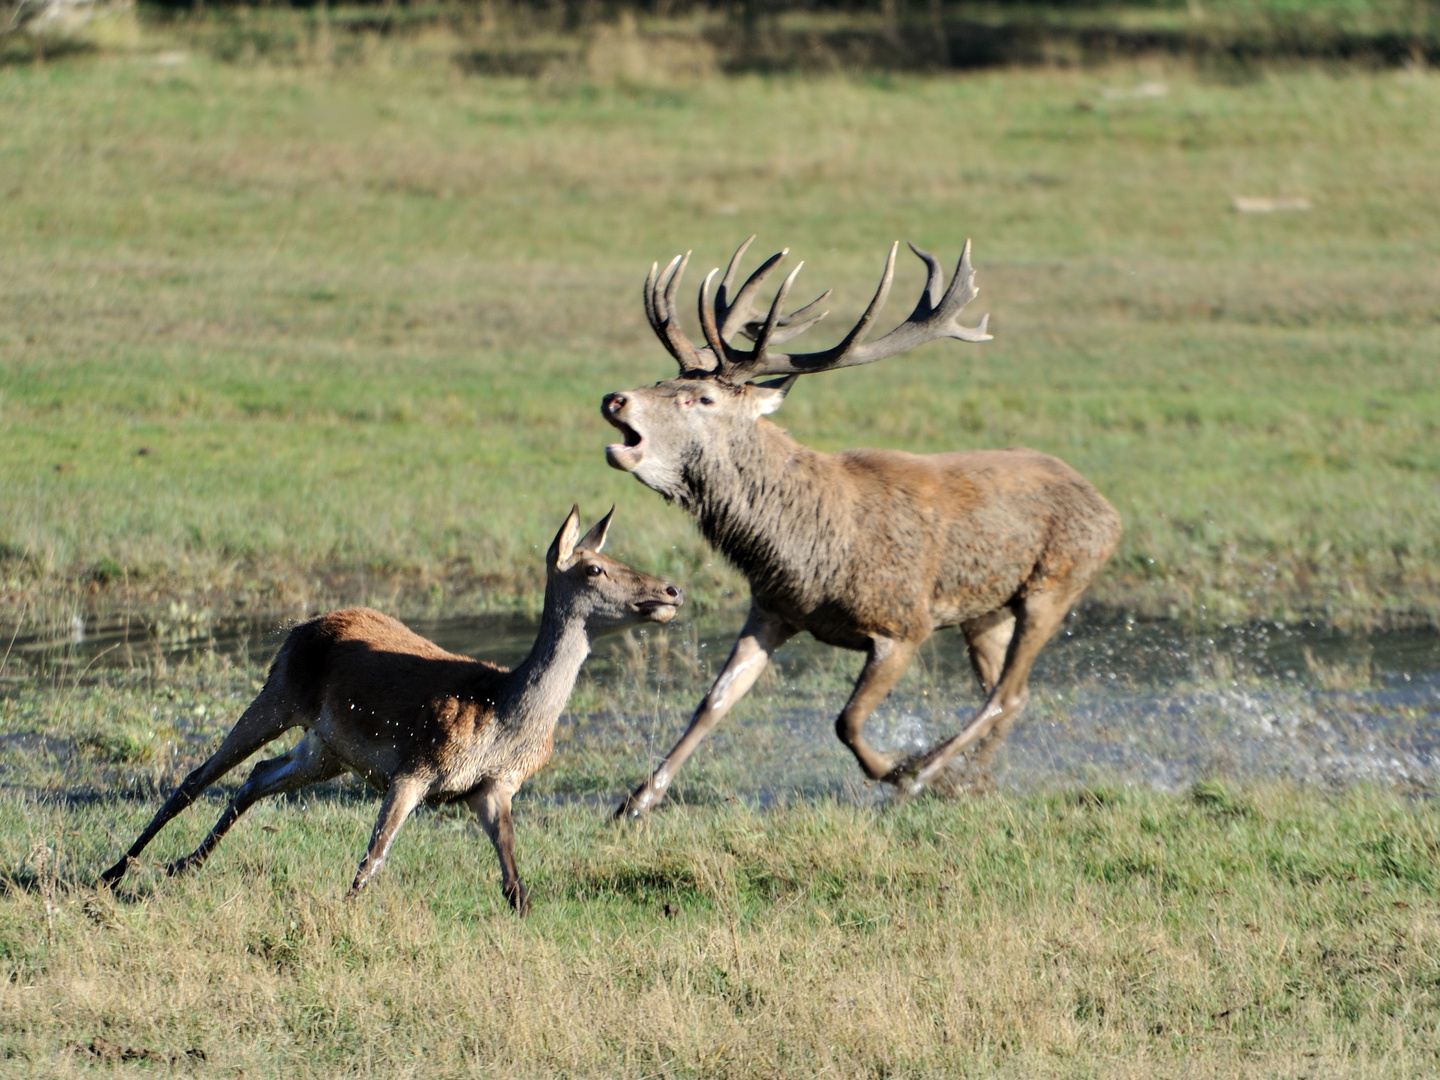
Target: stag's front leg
761,635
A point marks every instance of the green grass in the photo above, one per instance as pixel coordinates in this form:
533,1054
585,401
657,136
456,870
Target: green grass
360,319
1236,932
1237,929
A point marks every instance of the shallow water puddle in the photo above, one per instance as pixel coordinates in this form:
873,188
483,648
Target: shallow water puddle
1150,703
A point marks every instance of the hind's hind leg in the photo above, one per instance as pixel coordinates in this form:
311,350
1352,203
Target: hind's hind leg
266,719
308,762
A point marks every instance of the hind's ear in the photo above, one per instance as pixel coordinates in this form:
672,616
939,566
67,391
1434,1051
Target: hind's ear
594,540
563,546
770,396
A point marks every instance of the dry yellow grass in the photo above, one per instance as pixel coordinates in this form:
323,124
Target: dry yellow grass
1261,933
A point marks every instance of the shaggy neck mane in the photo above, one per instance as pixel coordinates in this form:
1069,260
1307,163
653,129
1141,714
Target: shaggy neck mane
768,504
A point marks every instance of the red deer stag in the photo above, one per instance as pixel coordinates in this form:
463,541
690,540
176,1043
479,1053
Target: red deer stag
419,723
871,550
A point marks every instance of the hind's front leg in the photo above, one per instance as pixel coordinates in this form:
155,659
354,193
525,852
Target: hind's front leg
404,795
491,803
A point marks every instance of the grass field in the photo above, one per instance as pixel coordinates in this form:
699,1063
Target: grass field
1231,933
278,337
274,337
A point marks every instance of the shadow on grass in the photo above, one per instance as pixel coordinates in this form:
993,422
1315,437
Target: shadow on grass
1035,37
17,49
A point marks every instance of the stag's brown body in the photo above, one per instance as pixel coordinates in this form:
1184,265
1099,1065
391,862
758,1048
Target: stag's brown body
418,723
871,550
869,543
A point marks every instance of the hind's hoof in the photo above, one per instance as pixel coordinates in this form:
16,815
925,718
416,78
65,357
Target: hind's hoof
181,866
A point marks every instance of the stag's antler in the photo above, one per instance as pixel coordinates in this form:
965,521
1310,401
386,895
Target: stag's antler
935,316
660,290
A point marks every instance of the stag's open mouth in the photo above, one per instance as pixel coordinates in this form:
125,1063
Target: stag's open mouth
627,455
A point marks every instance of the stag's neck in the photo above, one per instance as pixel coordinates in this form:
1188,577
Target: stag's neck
538,688
772,507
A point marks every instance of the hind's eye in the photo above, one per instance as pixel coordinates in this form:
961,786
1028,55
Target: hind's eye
707,401
595,570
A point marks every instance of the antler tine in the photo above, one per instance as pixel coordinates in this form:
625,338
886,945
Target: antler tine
935,279
649,301
674,272
660,289
762,343
876,303
713,337
792,325
729,278
736,313
962,290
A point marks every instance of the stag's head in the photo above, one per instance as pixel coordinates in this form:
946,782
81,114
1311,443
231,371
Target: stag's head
716,397
603,593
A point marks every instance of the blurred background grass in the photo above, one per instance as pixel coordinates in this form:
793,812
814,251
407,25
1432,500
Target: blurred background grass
291,319
286,335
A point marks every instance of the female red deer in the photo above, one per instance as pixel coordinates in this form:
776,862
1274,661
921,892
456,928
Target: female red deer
419,723
871,550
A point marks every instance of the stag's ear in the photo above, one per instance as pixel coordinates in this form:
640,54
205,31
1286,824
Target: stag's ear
770,396
563,546
594,540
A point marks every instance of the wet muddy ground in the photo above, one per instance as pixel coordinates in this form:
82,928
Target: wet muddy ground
1148,703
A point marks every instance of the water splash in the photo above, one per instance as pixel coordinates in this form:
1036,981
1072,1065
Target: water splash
1154,704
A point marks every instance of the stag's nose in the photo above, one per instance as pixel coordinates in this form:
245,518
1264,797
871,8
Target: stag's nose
674,593
612,404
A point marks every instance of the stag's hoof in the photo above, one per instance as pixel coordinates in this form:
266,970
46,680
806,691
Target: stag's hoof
906,775
635,806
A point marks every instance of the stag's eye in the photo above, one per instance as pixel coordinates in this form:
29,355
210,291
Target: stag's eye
707,401
595,570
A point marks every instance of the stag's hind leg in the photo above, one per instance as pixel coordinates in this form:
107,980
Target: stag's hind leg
308,762
989,640
1037,617
268,717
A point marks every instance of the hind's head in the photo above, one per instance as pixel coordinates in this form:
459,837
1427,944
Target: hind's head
606,594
